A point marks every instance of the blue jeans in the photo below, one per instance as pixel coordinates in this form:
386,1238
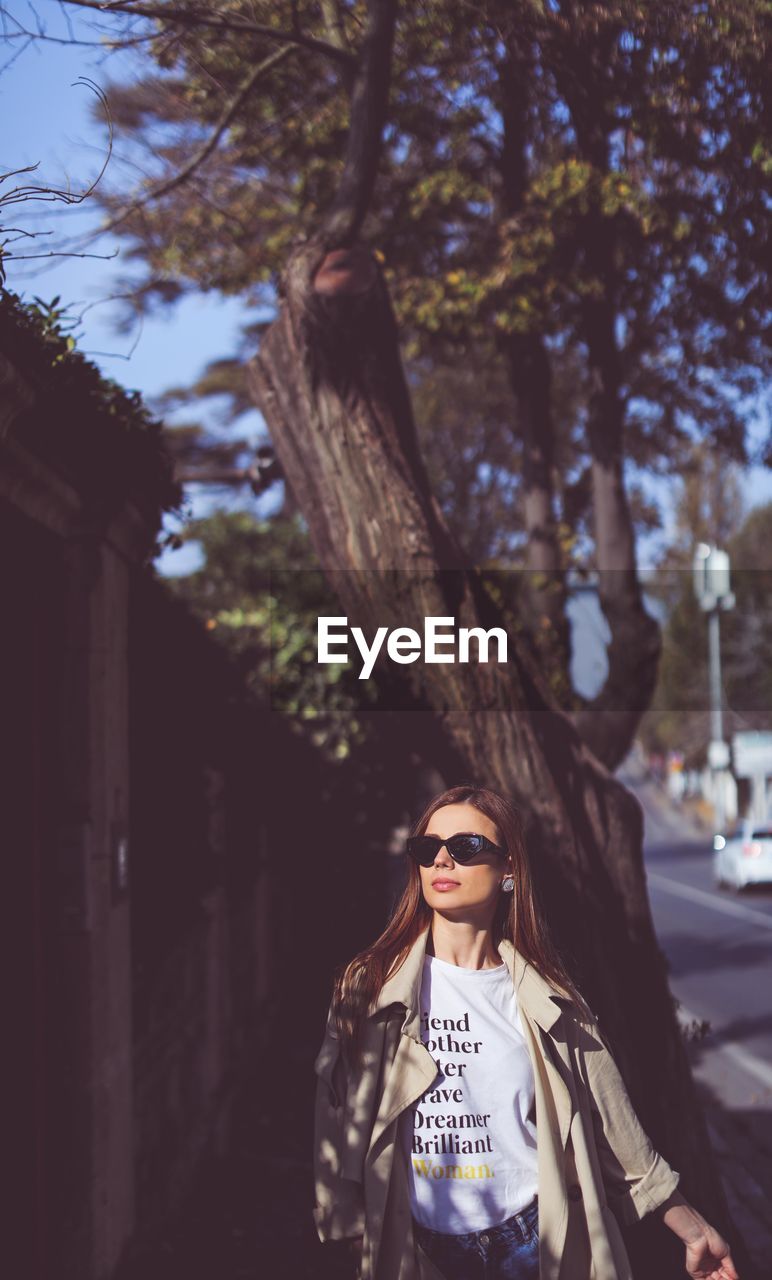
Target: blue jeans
508,1251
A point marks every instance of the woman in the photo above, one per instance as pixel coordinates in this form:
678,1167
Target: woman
470,1119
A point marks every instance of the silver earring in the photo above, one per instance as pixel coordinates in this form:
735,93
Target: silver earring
508,884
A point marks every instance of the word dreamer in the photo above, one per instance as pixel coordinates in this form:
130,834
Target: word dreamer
404,645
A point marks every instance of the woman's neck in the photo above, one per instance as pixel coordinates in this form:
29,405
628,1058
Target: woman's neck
463,943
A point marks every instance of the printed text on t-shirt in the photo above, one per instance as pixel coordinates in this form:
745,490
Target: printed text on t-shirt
442,1134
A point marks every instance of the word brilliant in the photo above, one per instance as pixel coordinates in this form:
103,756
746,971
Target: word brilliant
406,645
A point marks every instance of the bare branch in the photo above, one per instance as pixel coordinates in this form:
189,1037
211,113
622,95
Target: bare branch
194,18
126,42
54,253
19,194
28,40
259,475
114,46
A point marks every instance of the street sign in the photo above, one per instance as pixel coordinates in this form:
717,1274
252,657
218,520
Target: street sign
712,578
752,753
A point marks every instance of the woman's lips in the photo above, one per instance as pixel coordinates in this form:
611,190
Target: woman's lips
443,885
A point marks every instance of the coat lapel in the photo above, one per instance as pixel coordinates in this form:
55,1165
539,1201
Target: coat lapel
413,1068
411,1073
539,1004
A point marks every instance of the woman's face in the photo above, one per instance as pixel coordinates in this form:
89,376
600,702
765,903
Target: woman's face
471,888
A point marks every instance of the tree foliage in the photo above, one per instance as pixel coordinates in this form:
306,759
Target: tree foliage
645,130
96,431
593,180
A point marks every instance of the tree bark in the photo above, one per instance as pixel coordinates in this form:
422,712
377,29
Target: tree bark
329,382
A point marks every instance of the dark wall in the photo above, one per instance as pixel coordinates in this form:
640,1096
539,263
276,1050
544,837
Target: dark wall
249,882
30,689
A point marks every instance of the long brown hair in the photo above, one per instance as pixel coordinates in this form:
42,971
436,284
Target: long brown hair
516,917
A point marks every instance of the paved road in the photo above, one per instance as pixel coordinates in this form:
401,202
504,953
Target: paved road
719,949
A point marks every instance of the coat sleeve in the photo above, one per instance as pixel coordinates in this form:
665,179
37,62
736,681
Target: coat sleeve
637,1179
339,1202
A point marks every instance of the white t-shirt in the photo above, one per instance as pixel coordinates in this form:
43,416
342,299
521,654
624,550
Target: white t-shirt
469,1145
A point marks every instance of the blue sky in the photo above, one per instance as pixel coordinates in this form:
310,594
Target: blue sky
53,127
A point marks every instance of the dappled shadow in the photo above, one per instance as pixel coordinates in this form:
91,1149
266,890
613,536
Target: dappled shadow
739,1032
251,1213
741,1139
690,952
756,893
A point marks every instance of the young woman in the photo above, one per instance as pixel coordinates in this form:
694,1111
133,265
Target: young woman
470,1119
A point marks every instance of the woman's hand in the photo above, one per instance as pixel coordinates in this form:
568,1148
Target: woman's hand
709,1258
707,1252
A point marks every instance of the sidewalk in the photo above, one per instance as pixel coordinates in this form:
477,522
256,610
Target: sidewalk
737,1101
735,1087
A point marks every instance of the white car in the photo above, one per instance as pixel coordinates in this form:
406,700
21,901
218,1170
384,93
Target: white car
743,858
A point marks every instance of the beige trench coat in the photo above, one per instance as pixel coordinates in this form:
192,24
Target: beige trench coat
596,1166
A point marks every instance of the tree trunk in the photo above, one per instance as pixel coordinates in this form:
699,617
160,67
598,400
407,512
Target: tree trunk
530,378
610,720
329,383
608,724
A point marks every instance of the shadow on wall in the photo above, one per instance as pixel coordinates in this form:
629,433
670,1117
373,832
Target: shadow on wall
307,879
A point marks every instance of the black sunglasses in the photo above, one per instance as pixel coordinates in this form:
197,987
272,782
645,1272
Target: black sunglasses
462,847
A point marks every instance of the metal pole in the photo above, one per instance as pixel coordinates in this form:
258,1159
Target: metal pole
714,650
716,710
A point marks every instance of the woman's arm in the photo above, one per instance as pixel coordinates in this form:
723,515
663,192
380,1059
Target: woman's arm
637,1178
707,1253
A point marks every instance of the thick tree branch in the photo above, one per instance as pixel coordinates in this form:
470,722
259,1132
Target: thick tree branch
194,18
530,376
369,104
